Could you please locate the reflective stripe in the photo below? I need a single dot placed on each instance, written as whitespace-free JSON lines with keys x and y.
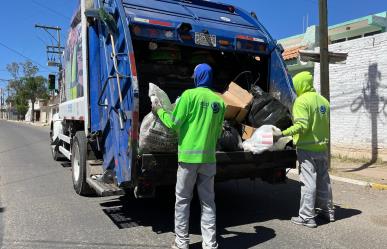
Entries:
{"x":195,"y":152}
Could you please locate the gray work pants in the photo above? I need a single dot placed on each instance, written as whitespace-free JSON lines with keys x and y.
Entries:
{"x":203,"y":175}
{"x":316,"y":191}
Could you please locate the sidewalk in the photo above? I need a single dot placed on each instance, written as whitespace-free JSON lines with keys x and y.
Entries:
{"x":27,"y":122}
{"x":357,"y":172}
{"x":375,"y":173}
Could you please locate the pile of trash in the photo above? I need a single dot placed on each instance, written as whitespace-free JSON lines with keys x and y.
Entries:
{"x":253,"y":117}
{"x":154,"y":136}
{"x":252,"y":120}
{"x":263,"y":139}
{"x":267,"y":110}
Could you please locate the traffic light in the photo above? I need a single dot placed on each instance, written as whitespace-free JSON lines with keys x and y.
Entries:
{"x":51,"y":81}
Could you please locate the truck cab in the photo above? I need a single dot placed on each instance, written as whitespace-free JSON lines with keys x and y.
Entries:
{"x":115,"y":48}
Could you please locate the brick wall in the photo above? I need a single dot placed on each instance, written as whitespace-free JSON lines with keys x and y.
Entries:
{"x":359,"y":98}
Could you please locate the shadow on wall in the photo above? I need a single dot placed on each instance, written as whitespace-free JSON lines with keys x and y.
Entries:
{"x":374,"y":104}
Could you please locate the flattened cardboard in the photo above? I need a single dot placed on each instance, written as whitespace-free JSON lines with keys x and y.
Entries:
{"x":247,"y":131}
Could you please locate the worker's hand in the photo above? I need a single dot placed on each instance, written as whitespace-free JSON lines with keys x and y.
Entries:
{"x":156,"y":105}
{"x":277,"y":137}
{"x":277,"y":134}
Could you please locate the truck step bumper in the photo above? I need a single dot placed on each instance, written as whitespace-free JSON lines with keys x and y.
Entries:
{"x":104,"y":189}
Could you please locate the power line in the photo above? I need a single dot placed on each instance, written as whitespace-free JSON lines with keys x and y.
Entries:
{"x":22,"y":55}
{"x":50,"y":9}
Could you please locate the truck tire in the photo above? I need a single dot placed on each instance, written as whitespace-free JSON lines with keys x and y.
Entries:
{"x":78,"y":164}
{"x":56,"y":155}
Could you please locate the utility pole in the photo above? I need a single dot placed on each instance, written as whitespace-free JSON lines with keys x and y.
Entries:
{"x":324,"y":54}
{"x":324,"y":60}
{"x":54,"y":60}
{"x":1,"y":101}
{"x":57,"y":50}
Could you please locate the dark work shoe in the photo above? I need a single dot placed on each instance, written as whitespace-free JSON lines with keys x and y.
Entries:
{"x":174,"y":246}
{"x":106,"y":177}
{"x":327,"y":216}
{"x":304,"y":222}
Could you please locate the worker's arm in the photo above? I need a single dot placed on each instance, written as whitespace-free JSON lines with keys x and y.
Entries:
{"x":221,"y":122}
{"x":179,"y":114}
{"x":300,"y":120}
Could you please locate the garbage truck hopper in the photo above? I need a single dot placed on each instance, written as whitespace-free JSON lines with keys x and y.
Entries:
{"x":129,"y":43}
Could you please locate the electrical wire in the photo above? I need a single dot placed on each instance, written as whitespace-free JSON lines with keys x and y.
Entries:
{"x":22,"y":55}
{"x":50,"y":9}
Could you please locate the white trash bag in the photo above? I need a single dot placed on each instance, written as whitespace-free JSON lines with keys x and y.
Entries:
{"x":262,"y":140}
{"x":159,"y":96}
{"x":281,"y":143}
{"x":154,"y":136}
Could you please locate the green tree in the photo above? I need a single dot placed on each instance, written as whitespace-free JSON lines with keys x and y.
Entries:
{"x":34,"y":88}
{"x":26,"y":85}
{"x":21,"y":104}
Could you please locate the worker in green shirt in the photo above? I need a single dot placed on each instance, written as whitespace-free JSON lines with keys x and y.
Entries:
{"x":197,"y":119}
{"x":310,"y":133}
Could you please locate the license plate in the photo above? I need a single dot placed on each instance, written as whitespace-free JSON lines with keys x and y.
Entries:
{"x":205,"y":39}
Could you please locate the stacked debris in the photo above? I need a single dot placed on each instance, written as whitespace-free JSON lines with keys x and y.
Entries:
{"x":255,"y":116}
{"x":267,"y":110}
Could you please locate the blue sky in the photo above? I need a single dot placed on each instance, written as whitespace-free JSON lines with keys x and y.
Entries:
{"x":281,"y":17}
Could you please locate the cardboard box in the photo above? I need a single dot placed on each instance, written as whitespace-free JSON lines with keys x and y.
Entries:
{"x":232,"y":108}
{"x":247,"y":131}
{"x":239,"y":95}
{"x":241,"y":115}
{"x":237,"y":101}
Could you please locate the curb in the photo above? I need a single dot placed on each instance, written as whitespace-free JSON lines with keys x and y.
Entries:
{"x":372,"y":185}
{"x":36,"y":124}
{"x":378,"y":186}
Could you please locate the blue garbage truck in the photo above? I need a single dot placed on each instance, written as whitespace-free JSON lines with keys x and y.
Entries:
{"x":116,"y":47}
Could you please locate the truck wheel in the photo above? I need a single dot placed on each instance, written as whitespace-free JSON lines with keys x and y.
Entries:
{"x":78,"y":164}
{"x":56,"y":155}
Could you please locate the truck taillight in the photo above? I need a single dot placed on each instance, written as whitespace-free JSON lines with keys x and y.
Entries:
{"x":186,"y":37}
{"x":224,"y":43}
{"x":262,"y":48}
{"x":154,"y":33}
{"x":137,"y":30}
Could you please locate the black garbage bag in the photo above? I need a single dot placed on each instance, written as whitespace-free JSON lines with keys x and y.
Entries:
{"x":266,"y":109}
{"x":230,"y":139}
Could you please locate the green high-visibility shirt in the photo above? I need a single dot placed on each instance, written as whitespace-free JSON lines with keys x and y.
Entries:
{"x":198,"y":119}
{"x":310,"y":128}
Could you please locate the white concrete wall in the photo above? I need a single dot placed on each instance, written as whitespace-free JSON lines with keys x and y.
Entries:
{"x":359,"y":98}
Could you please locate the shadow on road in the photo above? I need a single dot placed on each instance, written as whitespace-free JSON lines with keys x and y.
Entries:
{"x":2,"y":210}
{"x":340,"y":214}
{"x":238,"y":203}
{"x":232,"y":240}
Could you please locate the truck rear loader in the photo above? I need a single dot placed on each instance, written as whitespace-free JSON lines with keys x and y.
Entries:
{"x":116,"y":47}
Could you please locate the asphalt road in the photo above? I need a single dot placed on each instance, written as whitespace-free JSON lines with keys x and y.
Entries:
{"x":39,"y":209}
